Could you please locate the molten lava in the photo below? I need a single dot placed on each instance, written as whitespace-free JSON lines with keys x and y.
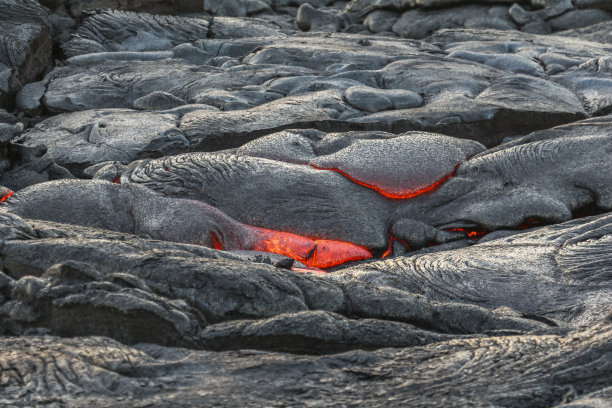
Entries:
{"x":390,"y":245}
{"x":388,"y":194}
{"x":215,"y":241}
{"x":312,"y":253}
{"x":471,"y":233}
{"x":7,"y":195}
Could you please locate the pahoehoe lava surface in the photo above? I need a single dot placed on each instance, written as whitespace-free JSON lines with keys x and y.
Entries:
{"x":305,"y":203}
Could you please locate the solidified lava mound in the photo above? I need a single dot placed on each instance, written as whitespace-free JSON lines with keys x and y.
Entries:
{"x":305,"y":203}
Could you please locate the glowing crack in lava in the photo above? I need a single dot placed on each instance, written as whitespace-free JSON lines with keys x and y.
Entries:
{"x":393,"y":238}
{"x":471,"y":233}
{"x":396,"y":196}
{"x":7,"y":195}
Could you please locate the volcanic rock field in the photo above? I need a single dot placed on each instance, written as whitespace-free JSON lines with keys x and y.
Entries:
{"x":306,"y":203}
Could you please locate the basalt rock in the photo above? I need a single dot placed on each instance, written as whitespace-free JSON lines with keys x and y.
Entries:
{"x":79,"y":371}
{"x":354,"y":82}
{"x":25,"y":46}
{"x":305,"y":203}
{"x":82,"y":139}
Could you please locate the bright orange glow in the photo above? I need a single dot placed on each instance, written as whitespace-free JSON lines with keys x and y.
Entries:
{"x":312,"y":253}
{"x":470,"y":233}
{"x":116,"y":180}
{"x":386,"y":253}
{"x":7,"y":195}
{"x":390,"y":245}
{"x":388,"y":194}
{"x":216,"y":242}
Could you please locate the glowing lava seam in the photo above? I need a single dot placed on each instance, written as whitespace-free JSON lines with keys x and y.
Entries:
{"x":395,"y":196}
{"x":470,"y":233}
{"x":7,"y":195}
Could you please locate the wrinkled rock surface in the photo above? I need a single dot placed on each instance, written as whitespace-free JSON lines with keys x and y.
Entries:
{"x":305,"y":203}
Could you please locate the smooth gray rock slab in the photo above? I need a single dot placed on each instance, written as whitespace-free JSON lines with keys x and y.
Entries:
{"x":420,"y":24}
{"x":309,"y":18}
{"x":380,"y":21}
{"x":575,"y":19}
{"x":235,"y":8}
{"x":375,"y":100}
{"x":81,"y":139}
{"x":600,"y":32}
{"x":29,"y":97}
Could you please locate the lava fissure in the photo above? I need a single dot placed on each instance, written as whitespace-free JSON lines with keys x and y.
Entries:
{"x":388,"y":194}
{"x":6,"y":196}
{"x":390,"y":241}
{"x":470,"y":233}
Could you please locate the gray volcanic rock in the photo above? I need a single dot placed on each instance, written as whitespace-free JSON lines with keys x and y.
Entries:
{"x":422,"y":18}
{"x":292,"y":146}
{"x":601,"y":32}
{"x":81,"y":139}
{"x":20,"y":165}
{"x":535,"y":272}
{"x":86,"y":366}
{"x":168,"y":273}
{"x":390,"y":85}
{"x":310,"y":19}
{"x":113,"y":30}
{"x":317,"y":196}
{"x":592,"y":82}
{"x":420,"y":24}
{"x":500,"y":188}
{"x":411,"y":163}
{"x":314,"y":331}
{"x":570,"y":172}
{"x":408,"y":205}
{"x":79,"y":7}
{"x":211,"y":131}
{"x":236,"y":8}
{"x":25,"y":45}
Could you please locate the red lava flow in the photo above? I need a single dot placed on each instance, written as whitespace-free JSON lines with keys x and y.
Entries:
{"x":319,"y":253}
{"x":7,"y":195}
{"x":388,"y":194}
{"x":315,"y":254}
{"x":390,"y":245}
{"x":471,"y":233}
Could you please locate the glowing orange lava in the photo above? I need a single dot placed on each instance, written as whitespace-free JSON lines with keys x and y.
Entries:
{"x":320,"y":253}
{"x":471,"y":233}
{"x":388,"y":194}
{"x":7,"y":195}
{"x":216,"y":242}
{"x":529,"y":223}
{"x":390,"y":245}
